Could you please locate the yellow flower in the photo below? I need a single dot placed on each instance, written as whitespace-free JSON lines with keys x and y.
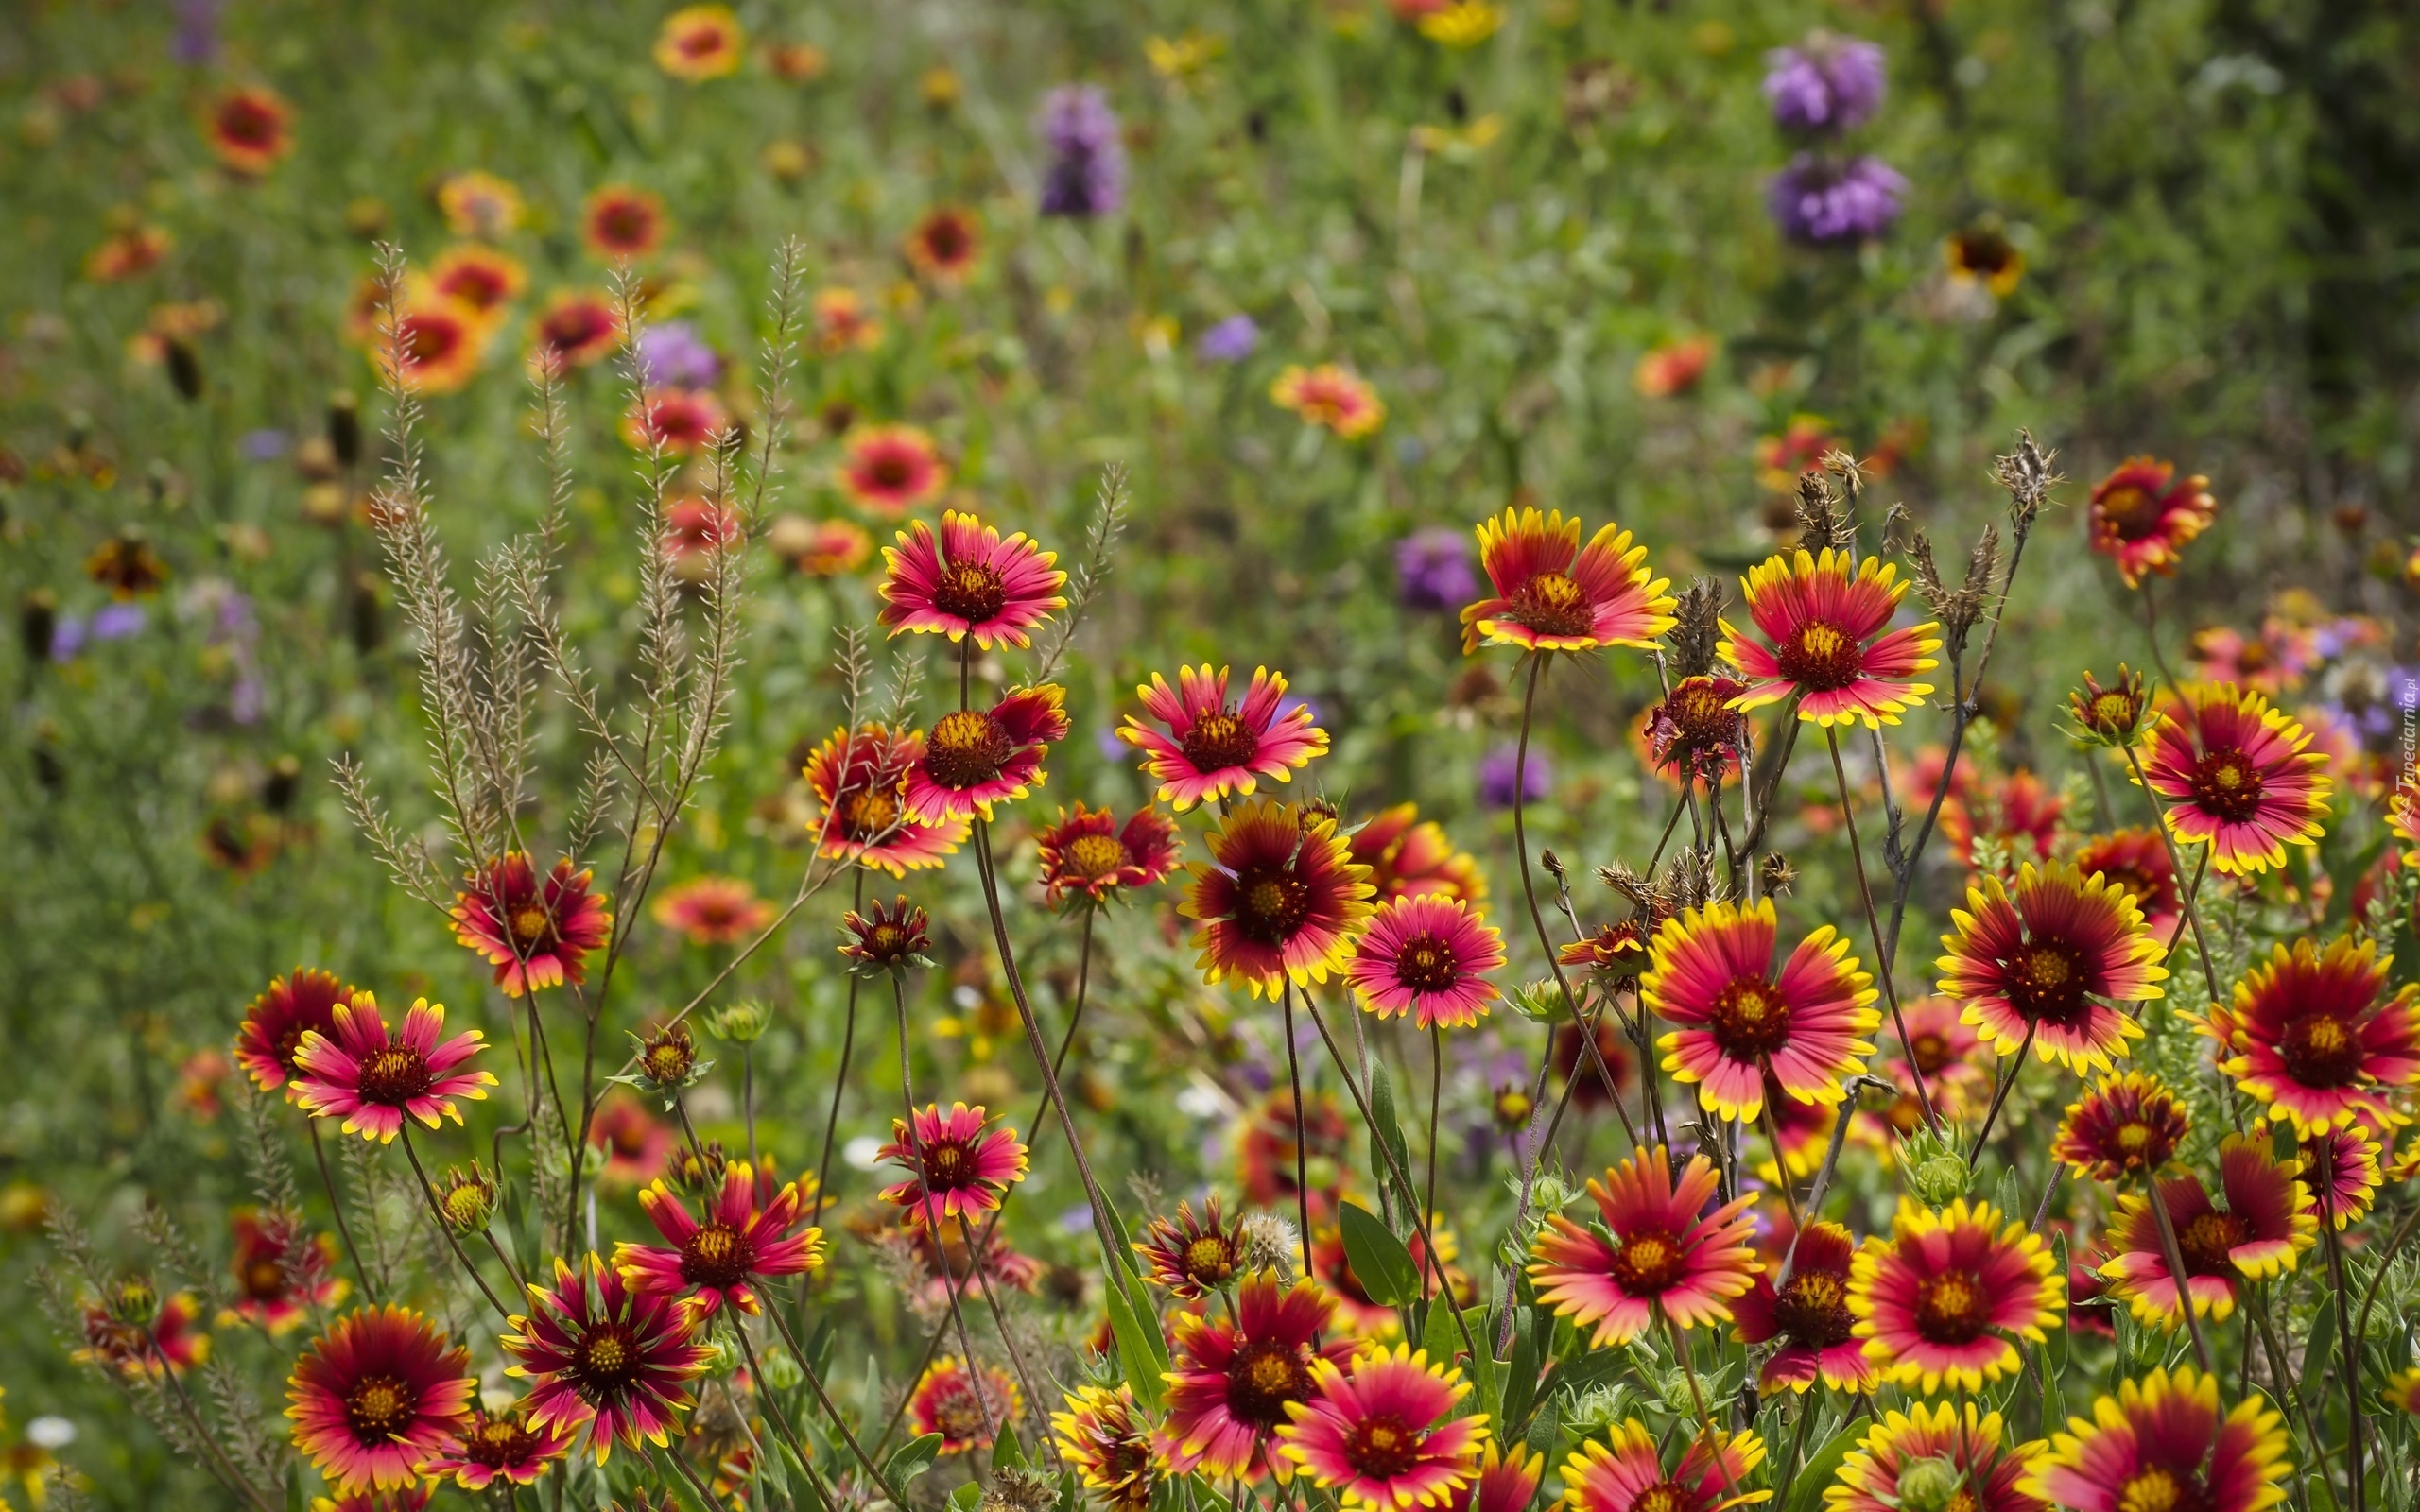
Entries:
{"x":1464,"y":24}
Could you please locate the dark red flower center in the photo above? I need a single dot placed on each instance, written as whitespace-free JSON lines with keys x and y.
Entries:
{"x":1697,"y":719}
{"x":2126,"y":511}
{"x":2160,"y":1488}
{"x":1380,"y":1447}
{"x":497,"y":1442}
{"x":575,"y":326}
{"x":2322,"y":1050}
{"x":1426,"y":964}
{"x":1553,"y":604}
{"x":967,"y":748}
{"x":378,"y":1407}
{"x":970,"y":591}
{"x":1820,"y":656}
{"x":1664,"y":1496}
{"x":393,"y":1074}
{"x":1218,"y":741}
{"x":947,"y":1164}
{"x":2136,"y":883}
{"x":1982,"y":253}
{"x":605,"y":1365}
{"x":1093,"y":856}
{"x":717,"y":1255}
{"x":288,"y":1041}
{"x":1929,"y":1052}
{"x":947,"y":239}
{"x":624,"y":225}
{"x":1814,"y":1309}
{"x":1264,"y":1377}
{"x":1750,"y":1019}
{"x":248,"y":124}
{"x":1951,"y":1308}
{"x":2207,"y":1244}
{"x":263,"y":1279}
{"x":958,"y":1412}
{"x":1648,"y":1264}
{"x":428,"y":338}
{"x":700,"y":41}
{"x":1271,"y":903}
{"x":867,"y":812}
{"x":2047,"y":982}
{"x":2227,"y":785}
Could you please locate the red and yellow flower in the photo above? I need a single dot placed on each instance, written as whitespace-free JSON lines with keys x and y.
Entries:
{"x":2142,"y":514}
{"x":375,"y":1395}
{"x":2346,"y":1171}
{"x":2166,"y":1441}
{"x":678,"y":421}
{"x":356,"y":1073}
{"x":250,"y":128}
{"x":479,"y":278}
{"x":1823,"y":621}
{"x":958,"y":1164}
{"x":1193,"y":1255}
{"x":944,"y":244}
{"x":755,"y":1229}
{"x":1712,"y":972}
{"x":1991,"y":1474}
{"x":1211,"y":747}
{"x":700,"y":42}
{"x":1377,"y":1430}
{"x":1553,"y":594}
{"x":2044,"y":961}
{"x":275,"y":1022}
{"x":2137,"y":860}
{"x":1410,"y":857}
{"x":1108,"y":1444}
{"x":965,"y":1404}
{"x":1503,"y":1485}
{"x":889,"y":470}
{"x":2315,"y":1036}
{"x":1427,"y":957}
{"x":1625,"y":1472}
{"x":1657,"y":1248}
{"x":433,"y":346}
{"x":977,"y":758}
{"x":2402,"y":1393}
{"x":1087,"y":854}
{"x":1941,"y":1045}
{"x":1941,"y":1301}
{"x":534,"y":934}
{"x":1331,"y":397}
{"x":1279,"y":900}
{"x":487,"y":1447}
{"x":2237,"y":775}
{"x":479,"y":204}
{"x":603,"y":1358}
{"x":1266,"y":1156}
{"x":844,"y":322}
{"x":127,"y":252}
{"x":1232,"y":1381}
{"x":969,"y":582}
{"x":2127,"y":1126}
{"x":136,"y":1333}
{"x":576,"y":328}
{"x":860,"y":783}
{"x":2263,"y":1223}
{"x":1809,"y":1317}
{"x":713,"y":910}
{"x":1674,"y":368}
{"x":283,"y":1273}
{"x":1698,"y":733}
{"x":622,"y":222}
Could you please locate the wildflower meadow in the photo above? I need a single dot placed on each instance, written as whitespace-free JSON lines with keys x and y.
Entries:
{"x":1279,"y":756}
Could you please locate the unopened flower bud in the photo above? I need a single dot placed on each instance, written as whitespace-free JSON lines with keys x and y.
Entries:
{"x":886,"y":938}
{"x":1940,"y":1181}
{"x":467,"y":1198}
{"x":133,"y":1299}
{"x":1928,"y":1485}
{"x":2112,"y":716}
{"x":739,"y":1024}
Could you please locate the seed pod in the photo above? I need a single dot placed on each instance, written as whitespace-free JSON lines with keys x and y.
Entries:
{"x":344,"y":426}
{"x":184,"y":368}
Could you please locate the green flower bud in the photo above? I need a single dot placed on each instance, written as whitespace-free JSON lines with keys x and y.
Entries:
{"x":1927,"y":1485}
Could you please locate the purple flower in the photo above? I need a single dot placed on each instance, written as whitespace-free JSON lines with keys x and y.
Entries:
{"x":264,"y":445}
{"x":1496,"y":771}
{"x":1825,"y":203}
{"x":1433,"y":570}
{"x":196,"y":38}
{"x":1086,"y":175}
{"x":1825,"y":84}
{"x":672,"y":355}
{"x":115,"y":622}
{"x":1113,"y":751}
{"x":1231,"y":340}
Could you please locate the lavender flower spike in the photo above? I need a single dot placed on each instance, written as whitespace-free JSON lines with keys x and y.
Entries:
{"x":1824,"y":202}
{"x":1086,"y":175}
{"x":1826,"y":84}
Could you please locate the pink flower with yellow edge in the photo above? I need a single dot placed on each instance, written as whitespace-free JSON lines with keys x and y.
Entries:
{"x":536,"y":935}
{"x":2041,"y":962}
{"x":678,"y":422}
{"x":603,"y":1358}
{"x":1329,"y":396}
{"x":1943,"y":1299}
{"x":1806,"y":1131}
{"x":276,"y":1022}
{"x":432,"y":346}
{"x":1408,"y":856}
{"x":754,"y":1228}
{"x":479,"y":204}
{"x":2126,"y":1126}
{"x":944,"y":244}
{"x":283,"y":1273}
{"x":1941,"y":1045}
{"x":136,"y":1333}
{"x":969,"y":582}
{"x":356,"y":1073}
{"x":1823,"y":620}
{"x":960,"y":1166}
{"x":250,"y":130}
{"x":488,"y":1447}
{"x":1553,"y":594}
{"x":2166,"y":1441}
{"x":860,"y":779}
{"x":965,"y":1404}
{"x":578,"y":328}
{"x":1657,"y":1248}
{"x":1993,"y":1474}
{"x":890,"y":469}
{"x":2018,"y":811}
{"x":1088,"y":856}
{"x":1278,"y":901}
{"x":479,"y":276}
{"x":2142,"y":515}
{"x":713,"y":910}
{"x":2264,"y":1222}
{"x":2347,"y":1173}
{"x":1625,"y":1472}
{"x":1212,"y":747}
{"x":1503,"y":1485}
{"x":376,"y":1395}
{"x":1108,"y":1443}
{"x":2308,"y":1036}
{"x":2137,"y":859}
{"x":1712,"y":974}
{"x":1377,"y":1432}
{"x":977,"y":758}
{"x":1232,"y":1379}
{"x":1429,"y":957}
{"x":1810,"y":1316}
{"x":2235,"y":774}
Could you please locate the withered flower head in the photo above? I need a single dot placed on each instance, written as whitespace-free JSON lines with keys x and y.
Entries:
{"x":2028,"y":477}
{"x":888,"y":939}
{"x":467,"y":1196}
{"x":1846,"y":468}
{"x":2113,"y":716}
{"x":1697,"y":630}
{"x":1777,"y":876}
{"x":1017,"y":1488}
{"x":1697,"y":731}
{"x":1822,"y":522}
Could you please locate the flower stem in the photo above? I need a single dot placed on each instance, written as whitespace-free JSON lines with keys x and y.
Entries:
{"x":1697,"y":1396}
{"x":925,"y":1206}
{"x":1874,"y":927}
{"x":345,"y":1230}
{"x":2000,"y":1093}
{"x":1302,"y":1144}
{"x":806,"y":1369}
{"x":2175,"y":1259}
{"x":2351,"y":1367}
{"x":781,"y":1414}
{"x":1436,"y":1096}
{"x":453,"y":1241}
{"x":839,"y":1080}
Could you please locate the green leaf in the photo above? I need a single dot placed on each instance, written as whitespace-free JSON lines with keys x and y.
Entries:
{"x":966,"y":1497}
{"x":911,"y":1459}
{"x":1545,"y":1428}
{"x":1806,"y":1492}
{"x":1384,"y":1127}
{"x":1121,"y":1261}
{"x":1135,"y":1351}
{"x":1006,"y":1450}
{"x":1379,"y":1261}
{"x":1521,"y":1373}
{"x":1147,"y":1312}
{"x":2319,"y":1347}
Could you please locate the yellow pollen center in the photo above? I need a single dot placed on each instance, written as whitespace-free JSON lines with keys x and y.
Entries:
{"x":1822,"y":640}
{"x":2151,"y":1490}
{"x":608,"y":1353}
{"x":1661,"y":1496}
{"x":2133,"y":1137}
{"x":1271,"y":1374}
{"x":1094,"y":856}
{"x":529,"y":924}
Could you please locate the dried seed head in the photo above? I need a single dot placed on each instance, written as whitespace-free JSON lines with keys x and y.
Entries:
{"x":2028,"y":477}
{"x":1777,"y":876}
{"x":1621,"y":879}
{"x":1822,"y":521}
{"x":1269,"y":1244}
{"x":1847,"y":468}
{"x":1697,"y":628}
{"x":1018,"y":1488}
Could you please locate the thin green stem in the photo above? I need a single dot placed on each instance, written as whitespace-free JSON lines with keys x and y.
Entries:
{"x":336,"y":1204}
{"x":1874,"y":927}
{"x":453,"y":1241}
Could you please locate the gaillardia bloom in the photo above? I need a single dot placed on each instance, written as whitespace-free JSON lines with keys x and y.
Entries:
{"x":356,"y":1073}
{"x":1656,"y":1247}
{"x":2030,"y":964}
{"x":1553,"y":594}
{"x":1429,"y":957}
{"x":713,"y":910}
{"x":576,"y":328}
{"x":1698,"y":733}
{"x":2402,"y":1393}
{"x":886,"y":936}
{"x":2345,"y":1174}
{"x":1193,"y":1255}
{"x":889,"y":470}
{"x":977,"y":758}
{"x":698,"y":42}
{"x":433,"y":346}
{"x":534,"y":934}
{"x":2137,"y":859}
{"x":1087,"y":855}
{"x":755,"y":1229}
{"x":2142,"y":515}
{"x":1900,"y":1461}
{"x":2110,"y":716}
{"x":679,"y":422}
{"x":2265,"y":1223}
{"x":1503,"y":1485}
{"x":276,"y":1022}
{"x":1109,"y":1445}
{"x":1411,"y":857}
{"x":1941,"y":1300}
{"x":479,"y":204}
{"x":2127,"y":1126}
{"x":486,"y":1447}
{"x":1712,"y":974}
{"x":2235,"y":775}
{"x":600,"y":1356}
{"x":480,"y":277}
{"x":860,"y":780}
{"x":1232,"y":1380}
{"x":621,"y":223}
{"x":1824,"y":618}
{"x":1984,"y":256}
{"x":1329,"y":396}
{"x":136,"y":1331}
{"x":958,"y":1165}
{"x":965,"y":1406}
{"x":1941,"y":1046}
{"x":2309,"y":1036}
{"x":376,"y":1395}
{"x":1278,"y":901}
{"x":251,"y":129}
{"x":2165,"y":1442}
{"x":944,"y":244}
{"x":969,"y":582}
{"x":1377,"y":1432}
{"x":1810,"y":1317}
{"x":1624,"y":1473}
{"x":283,"y":1272}
{"x":1213,"y":747}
